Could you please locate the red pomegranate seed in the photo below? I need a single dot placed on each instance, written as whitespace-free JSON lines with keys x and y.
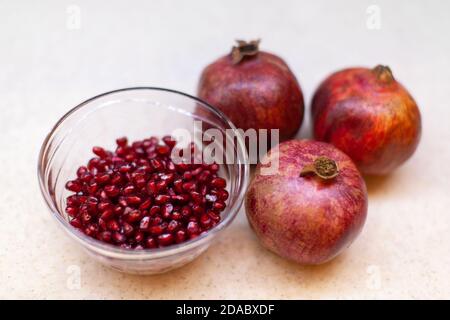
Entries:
{"x":169,"y":141}
{"x":72,"y":211}
{"x":74,"y":186}
{"x":156,"y":230}
{"x":150,"y":243}
{"x":214,"y":167}
{"x":107,"y":214}
{"x":82,"y":171}
{"x":205,"y":220}
{"x":196,"y":197}
{"x":112,"y":190}
{"x":189,"y":186}
{"x":139,"y":236}
{"x":99,"y":151}
{"x":218,"y":206}
{"x":76,"y":223}
{"x":180,"y":236}
{"x":154,"y":210}
{"x":113,"y":225}
{"x":129,"y":189}
{"x":219,"y":182}
{"x":133,"y":216}
{"x":106,"y":236}
{"x":193,"y":228}
{"x":162,"y":198}
{"x":176,"y":215}
{"x":133,"y":200}
{"x":127,"y":228}
{"x":146,"y":204}
{"x":163,"y":150}
{"x":145,"y":223}
{"x":118,"y":237}
{"x":122,"y":142}
{"x":165,"y":239}
{"x":173,"y":226}
{"x":186,"y":211}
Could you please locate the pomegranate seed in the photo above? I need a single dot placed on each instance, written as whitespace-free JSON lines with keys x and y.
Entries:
{"x":189,"y":186}
{"x":118,"y":237}
{"x":222,"y":195}
{"x":163,"y":150}
{"x":218,"y":206}
{"x":193,"y":228}
{"x":214,"y":216}
{"x":122,"y":142}
{"x":129,"y":189}
{"x":156,"y":230}
{"x":106,"y":236}
{"x":162,"y":198}
{"x":214,"y":167}
{"x":145,"y":223}
{"x":150,"y":243}
{"x":186,"y":211}
{"x":180,"y":236}
{"x":165,"y":239}
{"x":169,"y":141}
{"x":76,"y":223}
{"x":107,"y":214}
{"x":154,"y":210}
{"x":205,"y":220}
{"x":173,"y":226}
{"x":218,"y":182}
{"x":112,"y":190}
{"x":113,"y":225}
{"x":196,"y":197}
{"x":82,"y":171}
{"x":146,"y":204}
{"x":74,"y":186}
{"x":133,"y":200}
{"x":176,"y":215}
{"x":127,"y":229}
{"x":134,"y":216}
{"x":72,"y":211}
{"x":86,"y":217}
{"x":99,"y":151}
{"x":167,"y":210}
{"x":139,"y":236}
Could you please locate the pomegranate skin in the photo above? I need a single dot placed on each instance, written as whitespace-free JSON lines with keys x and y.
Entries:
{"x":370,"y":116}
{"x":260,"y":92}
{"x":306,"y":219}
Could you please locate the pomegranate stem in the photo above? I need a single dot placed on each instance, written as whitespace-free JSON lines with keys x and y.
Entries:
{"x":244,"y":49}
{"x":322,"y":167}
{"x":383,"y":73}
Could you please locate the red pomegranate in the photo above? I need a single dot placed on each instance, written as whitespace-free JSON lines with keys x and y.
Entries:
{"x":254,"y":89}
{"x":370,"y":116}
{"x":312,"y":207}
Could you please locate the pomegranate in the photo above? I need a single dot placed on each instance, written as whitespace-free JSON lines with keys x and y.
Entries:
{"x":136,"y":197}
{"x":313,"y":207}
{"x":254,"y":89}
{"x":370,"y":116}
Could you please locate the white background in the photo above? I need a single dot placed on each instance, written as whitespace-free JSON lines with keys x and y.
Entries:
{"x":48,"y":65}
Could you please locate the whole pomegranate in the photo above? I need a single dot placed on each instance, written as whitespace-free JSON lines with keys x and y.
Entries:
{"x":370,"y":116}
{"x":254,"y":89}
{"x":312,"y":207}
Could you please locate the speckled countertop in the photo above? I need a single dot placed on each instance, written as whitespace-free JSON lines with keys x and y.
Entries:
{"x":52,"y":59}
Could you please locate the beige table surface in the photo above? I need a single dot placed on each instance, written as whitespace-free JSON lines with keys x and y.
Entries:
{"x":49,"y":63}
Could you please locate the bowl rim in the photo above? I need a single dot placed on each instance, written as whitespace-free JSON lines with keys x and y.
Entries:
{"x":117,"y":252}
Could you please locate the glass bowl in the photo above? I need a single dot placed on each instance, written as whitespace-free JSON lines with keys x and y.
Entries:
{"x":137,"y":113}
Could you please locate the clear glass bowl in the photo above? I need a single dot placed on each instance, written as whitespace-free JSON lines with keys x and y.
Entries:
{"x":137,"y":113}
